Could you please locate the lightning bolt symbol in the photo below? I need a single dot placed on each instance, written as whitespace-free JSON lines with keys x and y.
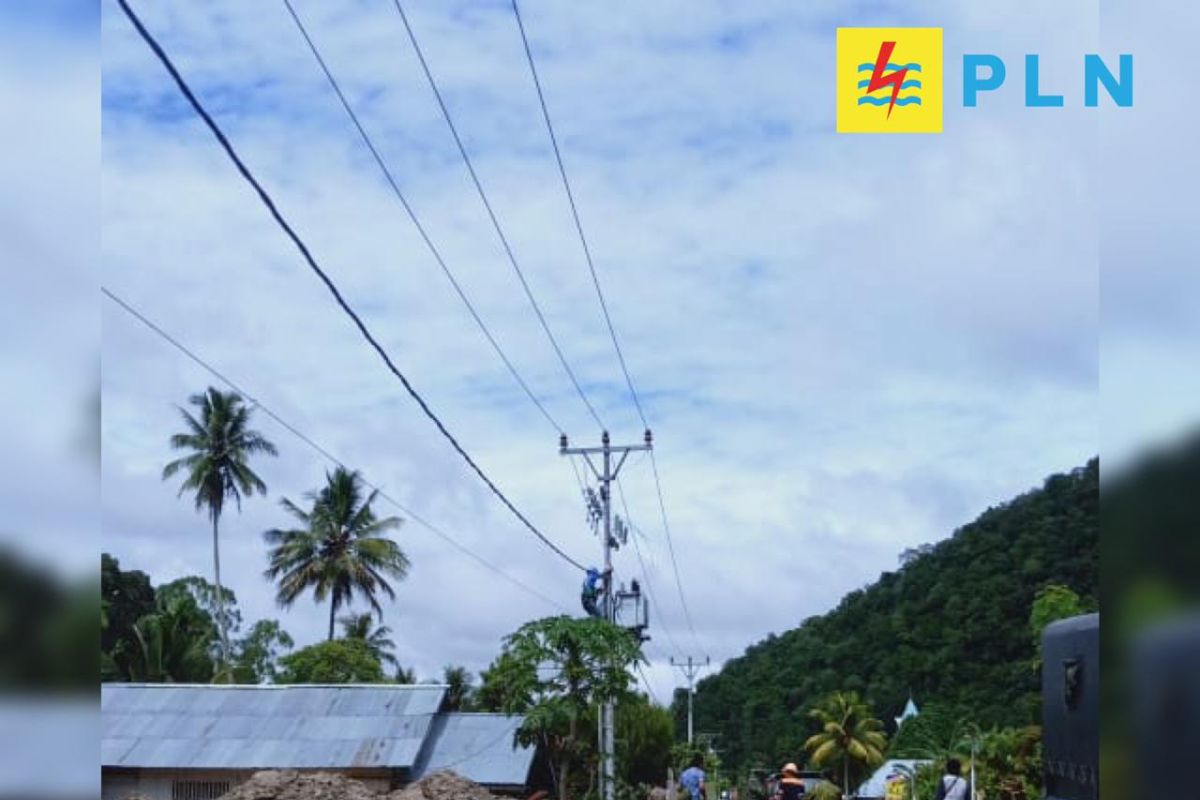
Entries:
{"x":879,"y":79}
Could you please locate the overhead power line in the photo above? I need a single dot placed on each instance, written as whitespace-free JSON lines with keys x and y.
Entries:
{"x":512,"y":259}
{"x":662,"y":507}
{"x":637,"y":548}
{"x":196,"y":359}
{"x":646,"y":682}
{"x":153,"y":44}
{"x":492,"y":216}
{"x":587,"y":252}
{"x":416,"y":221}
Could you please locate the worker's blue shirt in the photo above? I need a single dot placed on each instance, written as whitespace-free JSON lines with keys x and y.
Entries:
{"x":691,"y":779}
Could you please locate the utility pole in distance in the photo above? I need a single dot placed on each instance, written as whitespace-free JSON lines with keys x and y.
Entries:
{"x":690,"y":668}
{"x":606,"y":473}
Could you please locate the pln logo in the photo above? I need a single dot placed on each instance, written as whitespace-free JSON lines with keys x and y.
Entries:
{"x":889,"y":80}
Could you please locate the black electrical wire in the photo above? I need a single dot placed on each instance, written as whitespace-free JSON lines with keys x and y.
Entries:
{"x":562,"y":171}
{"x":153,"y":44}
{"x":637,"y":548}
{"x":649,"y":688}
{"x":587,"y":252}
{"x":412,"y":215}
{"x":512,"y":259}
{"x":662,"y":507}
{"x":210,"y":369}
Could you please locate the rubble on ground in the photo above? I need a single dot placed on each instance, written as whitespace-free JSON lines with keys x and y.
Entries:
{"x":290,"y":784}
{"x":444,"y":785}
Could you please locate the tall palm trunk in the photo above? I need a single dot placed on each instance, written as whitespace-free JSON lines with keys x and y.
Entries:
{"x":332,"y":612}
{"x":221,"y":629}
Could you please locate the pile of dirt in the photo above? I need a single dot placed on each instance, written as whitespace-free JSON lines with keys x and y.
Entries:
{"x":292,"y":785}
{"x":444,"y":785}
{"x":289,"y":784}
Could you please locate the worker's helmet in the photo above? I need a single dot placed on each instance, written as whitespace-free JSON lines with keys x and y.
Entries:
{"x":790,"y":769}
{"x":593,"y":572}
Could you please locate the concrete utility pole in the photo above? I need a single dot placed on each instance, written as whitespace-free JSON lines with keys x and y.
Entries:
{"x":606,"y":474}
{"x":690,"y":668}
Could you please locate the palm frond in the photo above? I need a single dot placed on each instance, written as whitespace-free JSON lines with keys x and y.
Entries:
{"x":341,"y":554}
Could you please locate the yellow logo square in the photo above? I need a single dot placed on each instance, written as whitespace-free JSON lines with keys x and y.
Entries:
{"x":889,"y":80}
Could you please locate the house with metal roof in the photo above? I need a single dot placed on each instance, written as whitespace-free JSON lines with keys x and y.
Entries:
{"x":196,"y":742}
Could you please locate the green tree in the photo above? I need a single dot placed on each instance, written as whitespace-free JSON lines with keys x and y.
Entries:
{"x":936,"y":734}
{"x":826,"y":790}
{"x":171,"y":645}
{"x":221,"y":606}
{"x":405,"y":676}
{"x":378,"y":641}
{"x":1009,"y":763}
{"x":125,"y":597}
{"x":849,"y":737}
{"x":256,"y":654}
{"x":216,"y":468}
{"x":644,"y":735}
{"x":333,"y":661}
{"x":1051,"y":603}
{"x":554,"y":670}
{"x":460,"y":691}
{"x":48,"y":627}
{"x":940,"y":626}
{"x":340,"y":551}
{"x":215,"y":606}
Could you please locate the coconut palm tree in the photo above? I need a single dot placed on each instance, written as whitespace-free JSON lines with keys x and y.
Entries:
{"x":340,"y":551}
{"x":170,"y":645}
{"x":460,"y":694}
{"x":358,"y":626}
{"x":215,"y":469}
{"x":849,"y":734}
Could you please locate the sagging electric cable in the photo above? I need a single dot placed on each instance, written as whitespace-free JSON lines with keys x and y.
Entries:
{"x":320,"y":449}
{"x":245,"y":172}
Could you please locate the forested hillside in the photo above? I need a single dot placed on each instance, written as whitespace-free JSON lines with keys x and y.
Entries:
{"x":951,"y":625}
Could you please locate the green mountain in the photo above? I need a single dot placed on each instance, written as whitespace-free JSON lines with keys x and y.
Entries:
{"x":951,"y":626}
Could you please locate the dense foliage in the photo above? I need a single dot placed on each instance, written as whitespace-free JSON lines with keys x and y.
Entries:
{"x":951,"y":626}
{"x":168,"y":633}
{"x":645,"y":734}
{"x":335,"y":661}
{"x":47,"y":627}
{"x":554,"y":671}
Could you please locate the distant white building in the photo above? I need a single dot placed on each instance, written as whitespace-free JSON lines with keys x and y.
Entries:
{"x":910,"y":711}
{"x":196,"y":742}
{"x":875,"y":787}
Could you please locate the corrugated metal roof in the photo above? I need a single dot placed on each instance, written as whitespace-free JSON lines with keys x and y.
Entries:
{"x":478,"y":747}
{"x":259,"y":727}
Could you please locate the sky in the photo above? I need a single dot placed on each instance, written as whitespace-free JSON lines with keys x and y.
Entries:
{"x":846,"y":346}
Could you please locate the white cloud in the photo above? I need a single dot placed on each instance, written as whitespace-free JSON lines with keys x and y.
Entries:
{"x":847,"y":345}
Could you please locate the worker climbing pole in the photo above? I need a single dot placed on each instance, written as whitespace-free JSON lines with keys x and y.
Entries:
{"x":595,"y":586}
{"x":598,"y":585}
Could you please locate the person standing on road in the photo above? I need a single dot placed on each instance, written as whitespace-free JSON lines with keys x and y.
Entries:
{"x":693,"y":779}
{"x":790,"y":785}
{"x":953,"y":786}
